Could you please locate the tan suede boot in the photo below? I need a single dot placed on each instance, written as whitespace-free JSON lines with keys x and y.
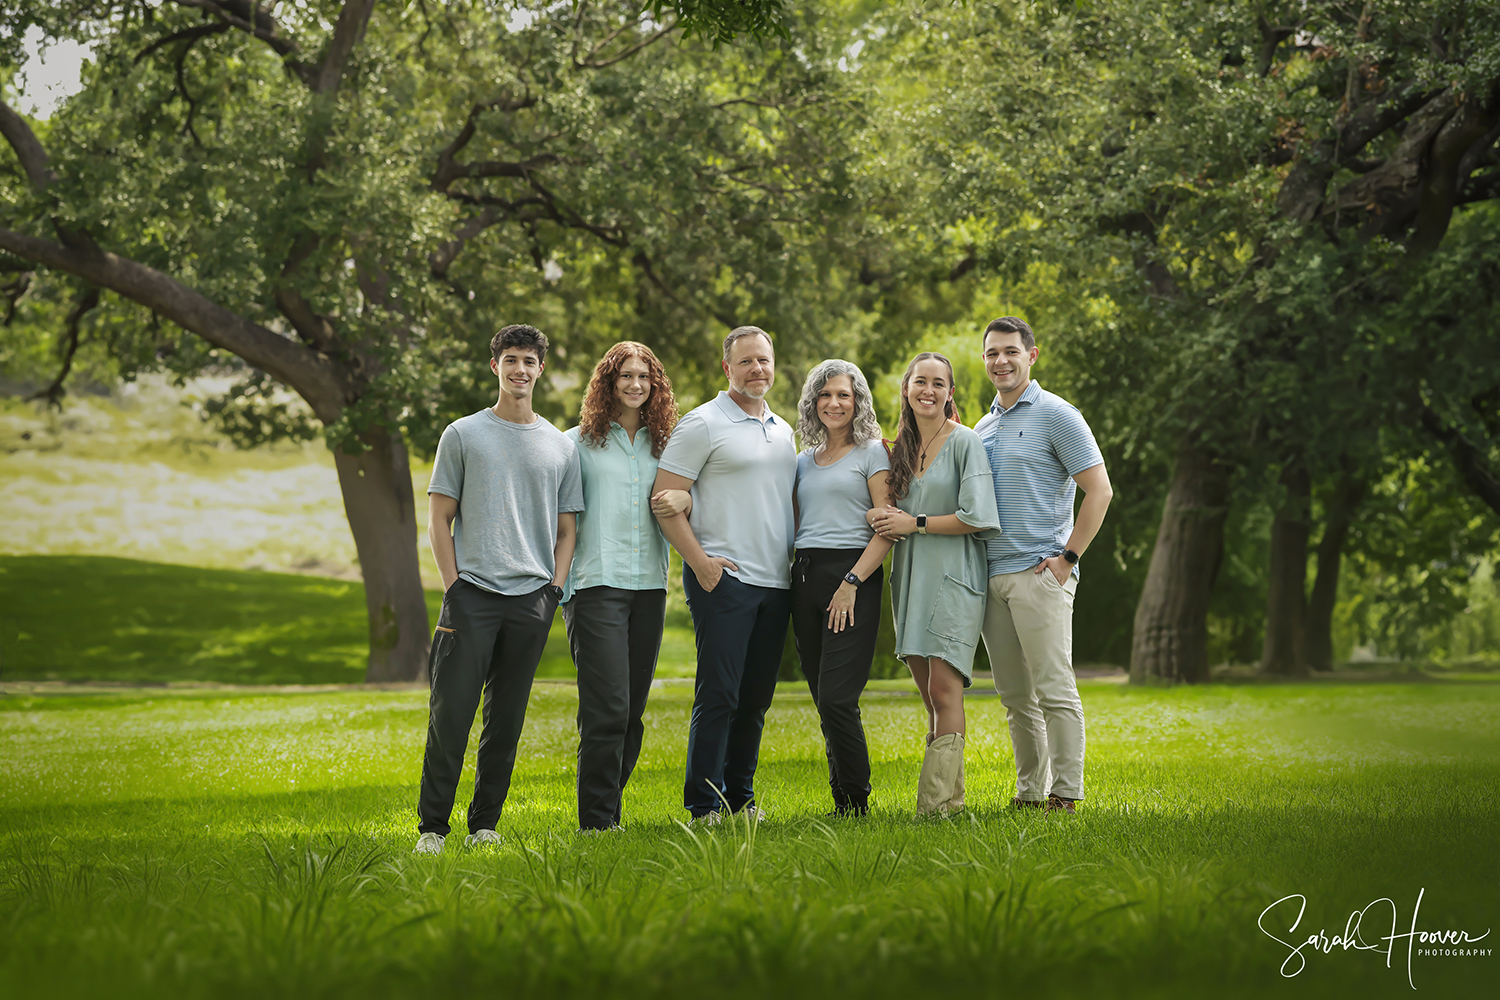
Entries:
{"x":940,"y":770}
{"x":956,"y":803}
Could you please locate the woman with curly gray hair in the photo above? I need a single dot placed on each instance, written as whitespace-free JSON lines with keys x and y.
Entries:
{"x":837,"y":576}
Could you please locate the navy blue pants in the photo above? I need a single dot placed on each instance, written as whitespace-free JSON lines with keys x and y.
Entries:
{"x":740,"y":630}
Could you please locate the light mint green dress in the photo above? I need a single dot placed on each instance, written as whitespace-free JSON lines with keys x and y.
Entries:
{"x":938,"y":582}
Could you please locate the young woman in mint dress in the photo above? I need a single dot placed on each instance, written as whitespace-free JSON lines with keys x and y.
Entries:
{"x":944,"y":509}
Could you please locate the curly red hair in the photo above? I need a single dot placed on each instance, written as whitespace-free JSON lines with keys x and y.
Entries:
{"x":601,"y":404}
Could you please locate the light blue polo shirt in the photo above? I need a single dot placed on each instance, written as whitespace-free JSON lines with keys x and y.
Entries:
{"x":1035,"y":449}
{"x":743,"y":471}
{"x":619,"y":542}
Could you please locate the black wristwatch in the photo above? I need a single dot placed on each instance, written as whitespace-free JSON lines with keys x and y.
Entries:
{"x":556,"y":592}
{"x":849,"y":577}
{"x":1070,"y":555}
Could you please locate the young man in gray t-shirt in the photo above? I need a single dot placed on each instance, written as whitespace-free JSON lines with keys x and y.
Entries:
{"x":502,"y":509}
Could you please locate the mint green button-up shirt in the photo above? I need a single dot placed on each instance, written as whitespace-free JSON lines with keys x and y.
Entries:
{"x":619,"y":542}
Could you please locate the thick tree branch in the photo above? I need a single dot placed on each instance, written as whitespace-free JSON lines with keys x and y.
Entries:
{"x":443,"y":257}
{"x":258,"y":22}
{"x":498,"y":168}
{"x":315,"y":330}
{"x":13,"y":288}
{"x":643,"y":262}
{"x":186,"y":34}
{"x":54,"y":393}
{"x":1303,"y":192}
{"x":1439,"y":188}
{"x":565,"y":216}
{"x":452,"y":171}
{"x":180,"y":69}
{"x":312,"y":375}
{"x":1417,"y":187}
{"x":591,"y":61}
{"x":1473,"y":464}
{"x":347,"y":32}
{"x":27,"y":147}
{"x":447,"y":168}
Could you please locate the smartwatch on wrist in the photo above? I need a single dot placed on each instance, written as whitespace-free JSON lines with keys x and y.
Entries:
{"x":921,"y":524}
{"x":849,"y":577}
{"x":1070,"y":556}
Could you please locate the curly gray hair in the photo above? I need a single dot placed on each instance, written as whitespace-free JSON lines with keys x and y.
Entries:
{"x":863,"y":428}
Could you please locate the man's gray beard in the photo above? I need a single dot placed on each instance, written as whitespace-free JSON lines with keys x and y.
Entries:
{"x":743,"y":391}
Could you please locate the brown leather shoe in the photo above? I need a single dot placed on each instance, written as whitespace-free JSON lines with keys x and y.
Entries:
{"x":1019,"y":803}
{"x":1055,"y":804}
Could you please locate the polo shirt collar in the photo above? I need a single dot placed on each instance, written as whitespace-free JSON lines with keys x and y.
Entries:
{"x":1032,"y":393}
{"x":732,"y":410}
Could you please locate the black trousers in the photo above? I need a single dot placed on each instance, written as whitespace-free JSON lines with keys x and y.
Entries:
{"x":615,"y":636}
{"x":486,"y":643}
{"x":739,"y":630}
{"x":837,"y":664}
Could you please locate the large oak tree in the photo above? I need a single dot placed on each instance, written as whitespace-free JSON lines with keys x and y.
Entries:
{"x":348,"y":197}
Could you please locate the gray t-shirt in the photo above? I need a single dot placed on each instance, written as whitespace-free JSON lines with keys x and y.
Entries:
{"x":511,"y":481}
{"x":832,"y":500}
{"x":743,"y":471}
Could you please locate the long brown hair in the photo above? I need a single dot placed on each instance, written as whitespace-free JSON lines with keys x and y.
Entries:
{"x":601,"y":404}
{"x":904,"y":452}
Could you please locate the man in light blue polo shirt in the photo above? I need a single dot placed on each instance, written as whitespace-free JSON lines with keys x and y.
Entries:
{"x":1040,"y":449}
{"x":739,"y":461}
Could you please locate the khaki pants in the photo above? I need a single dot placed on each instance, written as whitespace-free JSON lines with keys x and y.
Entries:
{"x":1028,"y":630}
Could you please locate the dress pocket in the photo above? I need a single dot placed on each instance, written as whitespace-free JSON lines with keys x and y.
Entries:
{"x":958,"y":612}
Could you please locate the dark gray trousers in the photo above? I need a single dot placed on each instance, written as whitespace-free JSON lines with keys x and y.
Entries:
{"x":486,"y":643}
{"x":615,"y":636}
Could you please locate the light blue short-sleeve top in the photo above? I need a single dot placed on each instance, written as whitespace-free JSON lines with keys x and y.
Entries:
{"x":743,"y":470}
{"x":1035,"y":448}
{"x":832,"y":499}
{"x":619,"y":542}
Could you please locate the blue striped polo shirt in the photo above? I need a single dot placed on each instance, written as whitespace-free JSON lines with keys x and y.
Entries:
{"x":1035,"y":449}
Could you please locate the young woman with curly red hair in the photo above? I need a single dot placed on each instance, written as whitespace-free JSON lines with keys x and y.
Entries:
{"x":616,"y":595}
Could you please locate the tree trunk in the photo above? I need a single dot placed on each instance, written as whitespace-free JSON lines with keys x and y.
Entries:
{"x":1286,"y":589}
{"x":1317,"y":631}
{"x":1170,"y":642}
{"x":376,"y":485}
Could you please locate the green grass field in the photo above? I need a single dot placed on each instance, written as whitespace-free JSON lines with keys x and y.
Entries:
{"x":202,"y":843}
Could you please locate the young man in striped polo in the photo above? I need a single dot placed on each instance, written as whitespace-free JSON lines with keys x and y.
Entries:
{"x":1040,"y":450}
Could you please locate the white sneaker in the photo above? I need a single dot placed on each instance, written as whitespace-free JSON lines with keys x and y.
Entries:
{"x":429,"y":843}
{"x":756,"y":814}
{"x":482,"y":838}
{"x":707,"y":819}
